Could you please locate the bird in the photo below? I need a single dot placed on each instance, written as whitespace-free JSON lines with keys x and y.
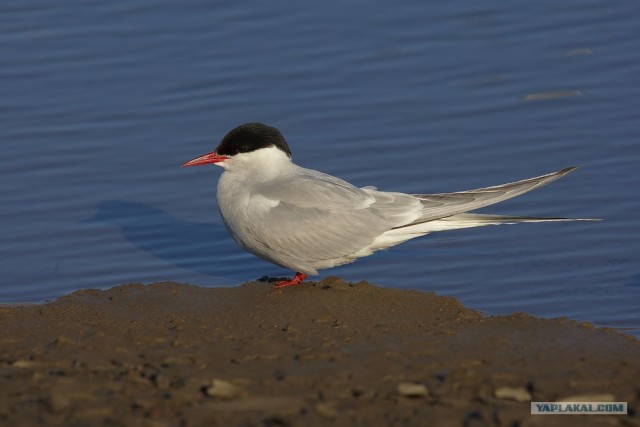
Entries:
{"x":305,"y":220}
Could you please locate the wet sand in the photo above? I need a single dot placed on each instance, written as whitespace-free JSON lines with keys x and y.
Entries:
{"x":326,"y":353}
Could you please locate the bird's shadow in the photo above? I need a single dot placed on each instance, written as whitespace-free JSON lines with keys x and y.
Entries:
{"x":198,"y":247}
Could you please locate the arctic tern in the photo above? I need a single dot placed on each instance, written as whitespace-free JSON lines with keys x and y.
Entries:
{"x":305,"y":220}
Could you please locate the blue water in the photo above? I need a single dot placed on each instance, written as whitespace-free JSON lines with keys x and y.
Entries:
{"x":100,"y":102}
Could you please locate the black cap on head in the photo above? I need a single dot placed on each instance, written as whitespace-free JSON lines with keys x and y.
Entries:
{"x":249,"y":137}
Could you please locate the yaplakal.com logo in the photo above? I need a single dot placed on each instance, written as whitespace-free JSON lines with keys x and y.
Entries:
{"x":567,"y":408}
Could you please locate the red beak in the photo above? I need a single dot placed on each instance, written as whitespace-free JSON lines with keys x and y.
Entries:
{"x":212,"y":157}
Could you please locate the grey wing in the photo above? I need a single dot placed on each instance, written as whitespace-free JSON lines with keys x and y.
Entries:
{"x":306,"y":188}
{"x":436,"y":206}
{"x":321,"y":220}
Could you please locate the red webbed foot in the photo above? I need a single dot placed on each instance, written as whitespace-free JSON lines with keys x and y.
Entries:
{"x":298,"y":278}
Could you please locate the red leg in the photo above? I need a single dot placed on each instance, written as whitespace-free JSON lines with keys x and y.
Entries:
{"x":298,"y":278}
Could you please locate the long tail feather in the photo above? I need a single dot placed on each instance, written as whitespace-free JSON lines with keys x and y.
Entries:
{"x":454,"y":222}
{"x":443,"y":205}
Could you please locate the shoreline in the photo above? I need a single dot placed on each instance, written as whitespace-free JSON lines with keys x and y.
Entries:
{"x":319,"y":353}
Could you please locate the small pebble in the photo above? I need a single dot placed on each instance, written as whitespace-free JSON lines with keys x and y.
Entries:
{"x":327,"y":410}
{"x":412,"y":390}
{"x":62,"y":341}
{"x":162,"y":382}
{"x":605,"y":397}
{"x":25,"y":364}
{"x":519,"y":394}
{"x":221,"y":389}
{"x":58,"y":402}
